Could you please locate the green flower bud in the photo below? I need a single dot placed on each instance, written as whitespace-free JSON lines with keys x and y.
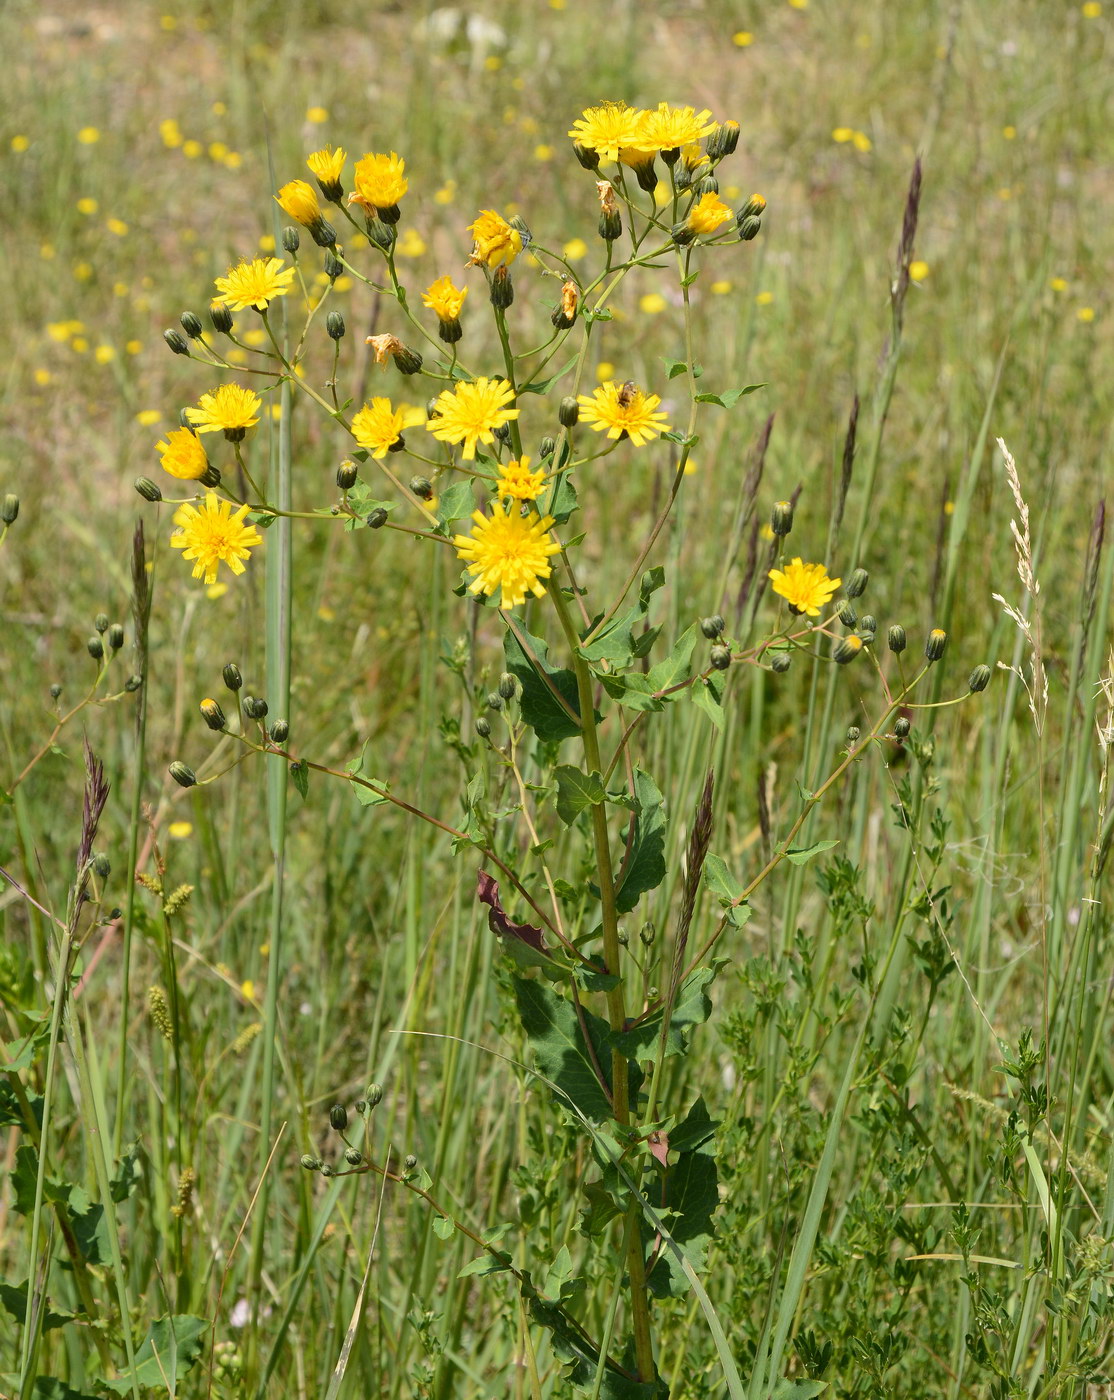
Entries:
{"x":853,"y":734}
{"x":9,"y":509}
{"x":100,"y":622}
{"x":896,"y":638}
{"x":409,"y":1162}
{"x":568,"y":412}
{"x":232,"y":678}
{"x":721,"y":657}
{"x":177,"y":342}
{"x":647,"y":933}
{"x":338,"y":1117}
{"x":323,"y":233}
{"x":220,"y":316}
{"x":353,"y":1156}
{"x":115,"y":636}
{"x":291,"y":239}
{"x":494,"y":700}
{"x":182,"y":775}
{"x":420,"y":485}
{"x":334,"y":324}
{"x":781,"y":518}
{"x":380,"y":231}
{"x":101,"y":866}
{"x":347,"y":473}
{"x":508,"y":686}
{"x":210,"y":476}
{"x":254,"y":707}
{"x":212,"y":714}
{"x":450,"y":330}
{"x":133,"y":683}
{"x":934,"y":646}
{"x":280,"y":731}
{"x":55,"y":691}
{"x":722,"y":141}
{"x":374,"y":1095}
{"x":869,"y":623}
{"x":360,"y":1105}
{"x":682,"y":234}
{"x":191,"y":324}
{"x":502,"y":288}
{"x":311,"y":1164}
{"x":750,"y":227}
{"x":980,"y":679}
{"x":847,"y":614}
{"x":377,"y":518}
{"x":901,"y":728}
{"x":148,"y":489}
{"x":333,"y":266}
{"x":610,"y":225}
{"x":547,"y":447}
{"x":754,"y":206}
{"x":712,"y":626}
{"x":407,"y":361}
{"x":846,"y":649}
{"x":483,"y":729}
{"x":780,"y":662}
{"x":855,"y":586}
{"x":95,"y":648}
{"x":707,"y":184}
{"x":326,"y":1170}
{"x":587,"y":157}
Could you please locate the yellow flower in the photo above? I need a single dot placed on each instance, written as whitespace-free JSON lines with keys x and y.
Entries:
{"x":623,"y":409}
{"x":444,"y":298}
{"x":299,"y":200}
{"x":667,"y":128}
{"x":380,"y":183}
{"x":88,"y":136}
{"x":212,"y":535}
{"x":470,"y":413}
{"x":497,"y":242}
{"x":182,"y":455}
{"x":919,"y":270}
{"x":517,"y":481}
{"x":509,"y":552}
{"x":230,"y":409}
{"x":255,"y":283}
{"x":170,"y":132}
{"x":317,"y":115}
{"x":378,"y":426}
{"x":652,"y":303}
{"x":707,"y":214}
{"x":805,"y":587}
{"x":575,"y":249}
{"x":327,"y":165}
{"x":606,"y":129}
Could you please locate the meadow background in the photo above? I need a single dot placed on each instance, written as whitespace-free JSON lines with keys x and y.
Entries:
{"x":139,"y":148}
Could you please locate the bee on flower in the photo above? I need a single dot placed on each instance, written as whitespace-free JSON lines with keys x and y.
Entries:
{"x":623,"y":410}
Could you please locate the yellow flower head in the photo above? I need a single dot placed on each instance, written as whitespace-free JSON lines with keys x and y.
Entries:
{"x":707,"y":214}
{"x":230,"y":409}
{"x":256,"y":283}
{"x":805,"y":587}
{"x":517,"y":481}
{"x":606,"y":129}
{"x":378,"y":426}
{"x":667,"y":128}
{"x":497,"y":242}
{"x":182,"y":455}
{"x":379,"y":182}
{"x":214,"y":534}
{"x":299,"y":200}
{"x":471,"y":412}
{"x":327,"y":166}
{"x":623,"y":408}
{"x":508,"y":551}
{"x":445,"y":299}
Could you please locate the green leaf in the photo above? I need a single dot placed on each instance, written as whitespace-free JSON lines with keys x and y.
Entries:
{"x":263,"y":518}
{"x":707,"y":695}
{"x":652,"y":580}
{"x":692,"y":1007}
{"x":675,"y":667}
{"x":14,"y":1299}
{"x":362,"y":502}
{"x":729,"y":397}
{"x":644,"y":868}
{"x":443,"y":1227}
{"x":168,"y":1351}
{"x":614,"y":643}
{"x":576,"y":792}
{"x":563,"y":503}
{"x":559,"y":1283}
{"x":454,"y":503}
{"x":633,"y":691}
{"x":726,"y":889}
{"x":797,"y":1390}
{"x":692,"y":1192}
{"x":486,"y":1264}
{"x":129,"y":1173}
{"x":798,"y":855}
{"x":540,"y":709}
{"x":49,"y":1388}
{"x":558,"y":1045}
{"x":679,"y":367}
{"x":543,"y":386}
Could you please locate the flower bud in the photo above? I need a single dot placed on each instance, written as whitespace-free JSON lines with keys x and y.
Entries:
{"x":311,"y":1164}
{"x":846,"y":649}
{"x":210,"y":476}
{"x":682,"y":234}
{"x":421,"y":487}
{"x":280,"y":731}
{"x":712,"y":626}
{"x":901,"y":728}
{"x":95,"y":648}
{"x":753,"y":208}
{"x":353,"y":1156}
{"x":232,"y":677}
{"x":483,"y":728}
{"x":334,"y":324}
{"x":115,"y":636}
{"x":147,"y":489}
{"x":55,"y":691}
{"x":133,"y":683}
{"x":377,"y":518}
{"x":100,"y":622}
{"x":291,"y":239}
{"x":449,"y":329}
{"x":220,"y":316}
{"x":869,"y":623}
{"x":934,"y":646}
{"x":212,"y":714}
{"x":547,"y":446}
{"x":323,"y":233}
{"x":721,"y":657}
{"x":333,"y":266}
{"x":406,"y":360}
{"x":519,"y":224}
{"x":347,"y":474}
{"x":9,"y":509}
{"x":338,"y":1117}
{"x":853,"y":733}
{"x":508,"y":686}
{"x":494,"y":700}
{"x":588,"y":158}
{"x":254,"y":707}
{"x":722,"y":141}
{"x":610,"y":225}
{"x":750,"y":227}
{"x":409,"y":1162}
{"x":896,"y":638}
{"x":502,"y":288}
{"x":781,"y":518}
{"x":647,"y":933}
{"x":847,"y":614}
{"x":177,"y":341}
{"x":707,"y":184}
{"x":101,"y":866}
{"x":780,"y":662}
{"x":980,"y":679}
{"x":326,"y":1170}
{"x":855,"y":586}
{"x":380,"y":233}
{"x":183,"y":775}
{"x":568,"y":413}
{"x":191,"y":324}
{"x":374,"y":1095}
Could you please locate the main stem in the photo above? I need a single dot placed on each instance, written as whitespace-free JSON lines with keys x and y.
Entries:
{"x":616,"y":1004}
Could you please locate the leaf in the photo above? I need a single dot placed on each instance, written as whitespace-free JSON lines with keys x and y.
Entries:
{"x":692,"y":1007}
{"x":652,"y":580}
{"x":559,"y":1284}
{"x":558,"y":1045}
{"x":543,"y":386}
{"x":365,"y":796}
{"x":486,"y":1264}
{"x":729,"y":397}
{"x":129,"y":1173}
{"x":797,"y":1390}
{"x":576,"y":792}
{"x":362,"y":503}
{"x":798,"y":855}
{"x":564,"y":502}
{"x":14,"y":1299}
{"x":454,"y":503}
{"x":443,"y":1227}
{"x":299,"y":776}
{"x":513,"y":936}
{"x":726,"y":889}
{"x":540,"y":708}
{"x":675,"y":667}
{"x":614,"y":643}
{"x":633,"y":691}
{"x":707,"y":695}
{"x":49,"y":1388}
{"x":168,"y":1351}
{"x":678,"y":367}
{"x":691,"y":1195}
{"x":644,"y":868}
